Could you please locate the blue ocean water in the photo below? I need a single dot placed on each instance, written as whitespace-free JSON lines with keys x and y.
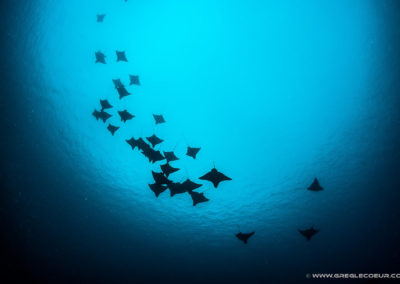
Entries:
{"x":275,"y":93}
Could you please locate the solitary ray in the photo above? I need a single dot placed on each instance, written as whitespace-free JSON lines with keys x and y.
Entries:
{"x":170,"y":156}
{"x":315,"y":186}
{"x":105,"y":104}
{"x":309,"y":233}
{"x":112,"y":128}
{"x":100,"y":57}
{"x":121,"y":56}
{"x":158,"y":118}
{"x":125,"y":115}
{"x":154,"y":140}
{"x":192,"y":152}
{"x":100,"y":18}
{"x":215,"y":177}
{"x":157,"y":188}
{"x":167,"y":169}
{"x":176,"y":188}
{"x":244,"y":236}
{"x":122,"y":92}
{"x":190,"y":185}
{"x":104,"y":116}
{"x":96,"y":114}
{"x":160,"y":178}
{"x":134,"y":80}
{"x":198,"y":197}
{"x":117,"y":83}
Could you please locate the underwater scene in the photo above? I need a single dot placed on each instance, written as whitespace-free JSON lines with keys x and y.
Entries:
{"x":202,"y":141}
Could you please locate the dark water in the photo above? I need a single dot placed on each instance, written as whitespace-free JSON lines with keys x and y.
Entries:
{"x":275,"y":93}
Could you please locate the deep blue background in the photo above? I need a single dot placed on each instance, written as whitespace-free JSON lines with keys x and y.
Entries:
{"x":274,"y":93}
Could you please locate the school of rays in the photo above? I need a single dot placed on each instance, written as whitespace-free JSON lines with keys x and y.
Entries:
{"x":162,"y":178}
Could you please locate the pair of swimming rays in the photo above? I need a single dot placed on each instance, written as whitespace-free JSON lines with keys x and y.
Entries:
{"x":101,"y":57}
{"x":161,"y":179}
{"x":307,"y":233}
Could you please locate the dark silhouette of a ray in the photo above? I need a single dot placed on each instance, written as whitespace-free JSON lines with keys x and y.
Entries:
{"x":105,"y":104}
{"x":152,"y":155}
{"x":315,"y":186}
{"x":170,"y":156}
{"x":117,"y":83}
{"x":156,"y":157}
{"x":192,"y":152}
{"x":157,"y":188}
{"x":96,"y":114}
{"x":100,"y":57}
{"x":158,"y":118}
{"x":142,"y":145}
{"x":122,"y":92}
{"x":176,"y":188}
{"x":134,"y":80}
{"x":125,"y":115}
{"x":104,"y":116}
{"x":244,"y":237}
{"x":112,"y":128}
{"x":190,"y":185}
{"x":132,"y":142}
{"x":215,"y":177}
{"x":121,"y":56}
{"x":198,"y":197}
{"x":100,"y":18}
{"x":154,"y":140}
{"x":160,"y":178}
{"x":309,"y":233}
{"x":101,"y":115}
{"x":167,"y":169}
{"x":139,"y":143}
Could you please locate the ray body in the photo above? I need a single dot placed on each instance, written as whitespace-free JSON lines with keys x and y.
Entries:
{"x":192,"y":152}
{"x":159,"y":118}
{"x":315,"y":186}
{"x":121,"y":56}
{"x":100,"y":57}
{"x":100,"y":18}
{"x":125,"y":115}
{"x":198,"y":198}
{"x":134,"y":80}
{"x":190,"y":185}
{"x":157,"y":188}
{"x":215,"y":177}
{"x":154,"y":140}
{"x":112,"y":128}
{"x":105,"y":104}
{"x":244,"y":237}
{"x":170,"y":156}
{"x":167,"y":169}
{"x":309,"y":233}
